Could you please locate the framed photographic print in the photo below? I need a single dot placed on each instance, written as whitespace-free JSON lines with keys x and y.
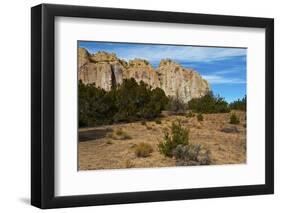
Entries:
{"x":139,"y":106}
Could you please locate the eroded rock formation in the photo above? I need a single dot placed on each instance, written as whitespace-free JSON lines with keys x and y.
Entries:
{"x":107,"y":70}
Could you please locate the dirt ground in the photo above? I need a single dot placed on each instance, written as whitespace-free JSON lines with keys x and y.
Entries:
{"x":99,"y":149}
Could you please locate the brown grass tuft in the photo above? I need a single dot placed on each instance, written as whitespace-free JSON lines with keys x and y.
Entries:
{"x":143,"y":150}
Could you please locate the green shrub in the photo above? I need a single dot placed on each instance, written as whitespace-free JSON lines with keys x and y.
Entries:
{"x":143,"y":150}
{"x":179,"y":136}
{"x":239,"y":104}
{"x":234,"y":119}
{"x":177,"y":145}
{"x":208,"y":104}
{"x":127,"y":102}
{"x":200,"y":117}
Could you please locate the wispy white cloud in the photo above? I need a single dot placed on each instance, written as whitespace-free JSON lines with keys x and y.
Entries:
{"x":234,"y":70}
{"x":189,"y":53}
{"x":217,"y":79}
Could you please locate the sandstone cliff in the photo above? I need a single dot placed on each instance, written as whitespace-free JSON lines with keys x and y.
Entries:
{"x":181,"y":82}
{"x":107,"y":70}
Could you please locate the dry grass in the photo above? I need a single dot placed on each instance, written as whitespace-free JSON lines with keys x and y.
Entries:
{"x":116,"y":148}
{"x":143,"y":150}
{"x":119,"y":134}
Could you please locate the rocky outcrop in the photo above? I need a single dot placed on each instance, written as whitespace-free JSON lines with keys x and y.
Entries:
{"x":83,"y":57}
{"x":98,"y":73}
{"x":102,"y":68}
{"x":141,"y":70}
{"x":181,"y":82}
{"x":107,"y":70}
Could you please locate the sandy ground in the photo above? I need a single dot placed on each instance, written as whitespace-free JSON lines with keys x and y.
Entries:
{"x":97,"y":149}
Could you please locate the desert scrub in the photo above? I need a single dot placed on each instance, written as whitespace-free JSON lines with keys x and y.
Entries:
{"x":191,"y":154}
{"x":187,"y":152}
{"x":143,"y":123}
{"x":143,"y":150}
{"x":234,"y":119}
{"x":190,"y":114}
{"x":177,"y":145}
{"x":119,"y":134}
{"x":158,"y":121}
{"x":179,"y":135}
{"x":200,"y":117}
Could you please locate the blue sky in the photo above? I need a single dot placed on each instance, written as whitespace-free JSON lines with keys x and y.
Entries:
{"x":223,"y":68}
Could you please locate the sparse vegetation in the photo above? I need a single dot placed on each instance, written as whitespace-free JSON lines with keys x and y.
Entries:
{"x":143,"y":123}
{"x":143,"y":150}
{"x":234,"y":119}
{"x":119,"y":134}
{"x":224,"y":148}
{"x":200,"y":117}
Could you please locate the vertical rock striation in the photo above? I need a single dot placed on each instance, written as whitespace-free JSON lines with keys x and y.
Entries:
{"x":181,"y":82}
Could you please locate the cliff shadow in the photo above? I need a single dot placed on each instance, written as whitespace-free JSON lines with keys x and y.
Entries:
{"x":93,"y":134}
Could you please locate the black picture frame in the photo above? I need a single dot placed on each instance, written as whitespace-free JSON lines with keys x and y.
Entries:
{"x":43,"y":117}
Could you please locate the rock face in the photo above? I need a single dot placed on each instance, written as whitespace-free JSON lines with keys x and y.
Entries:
{"x":181,"y":82}
{"x":106,"y":70}
{"x":141,"y":70}
{"x":83,"y":57}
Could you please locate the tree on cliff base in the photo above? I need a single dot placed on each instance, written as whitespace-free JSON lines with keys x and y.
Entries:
{"x":208,"y":104}
{"x":128,"y":102}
